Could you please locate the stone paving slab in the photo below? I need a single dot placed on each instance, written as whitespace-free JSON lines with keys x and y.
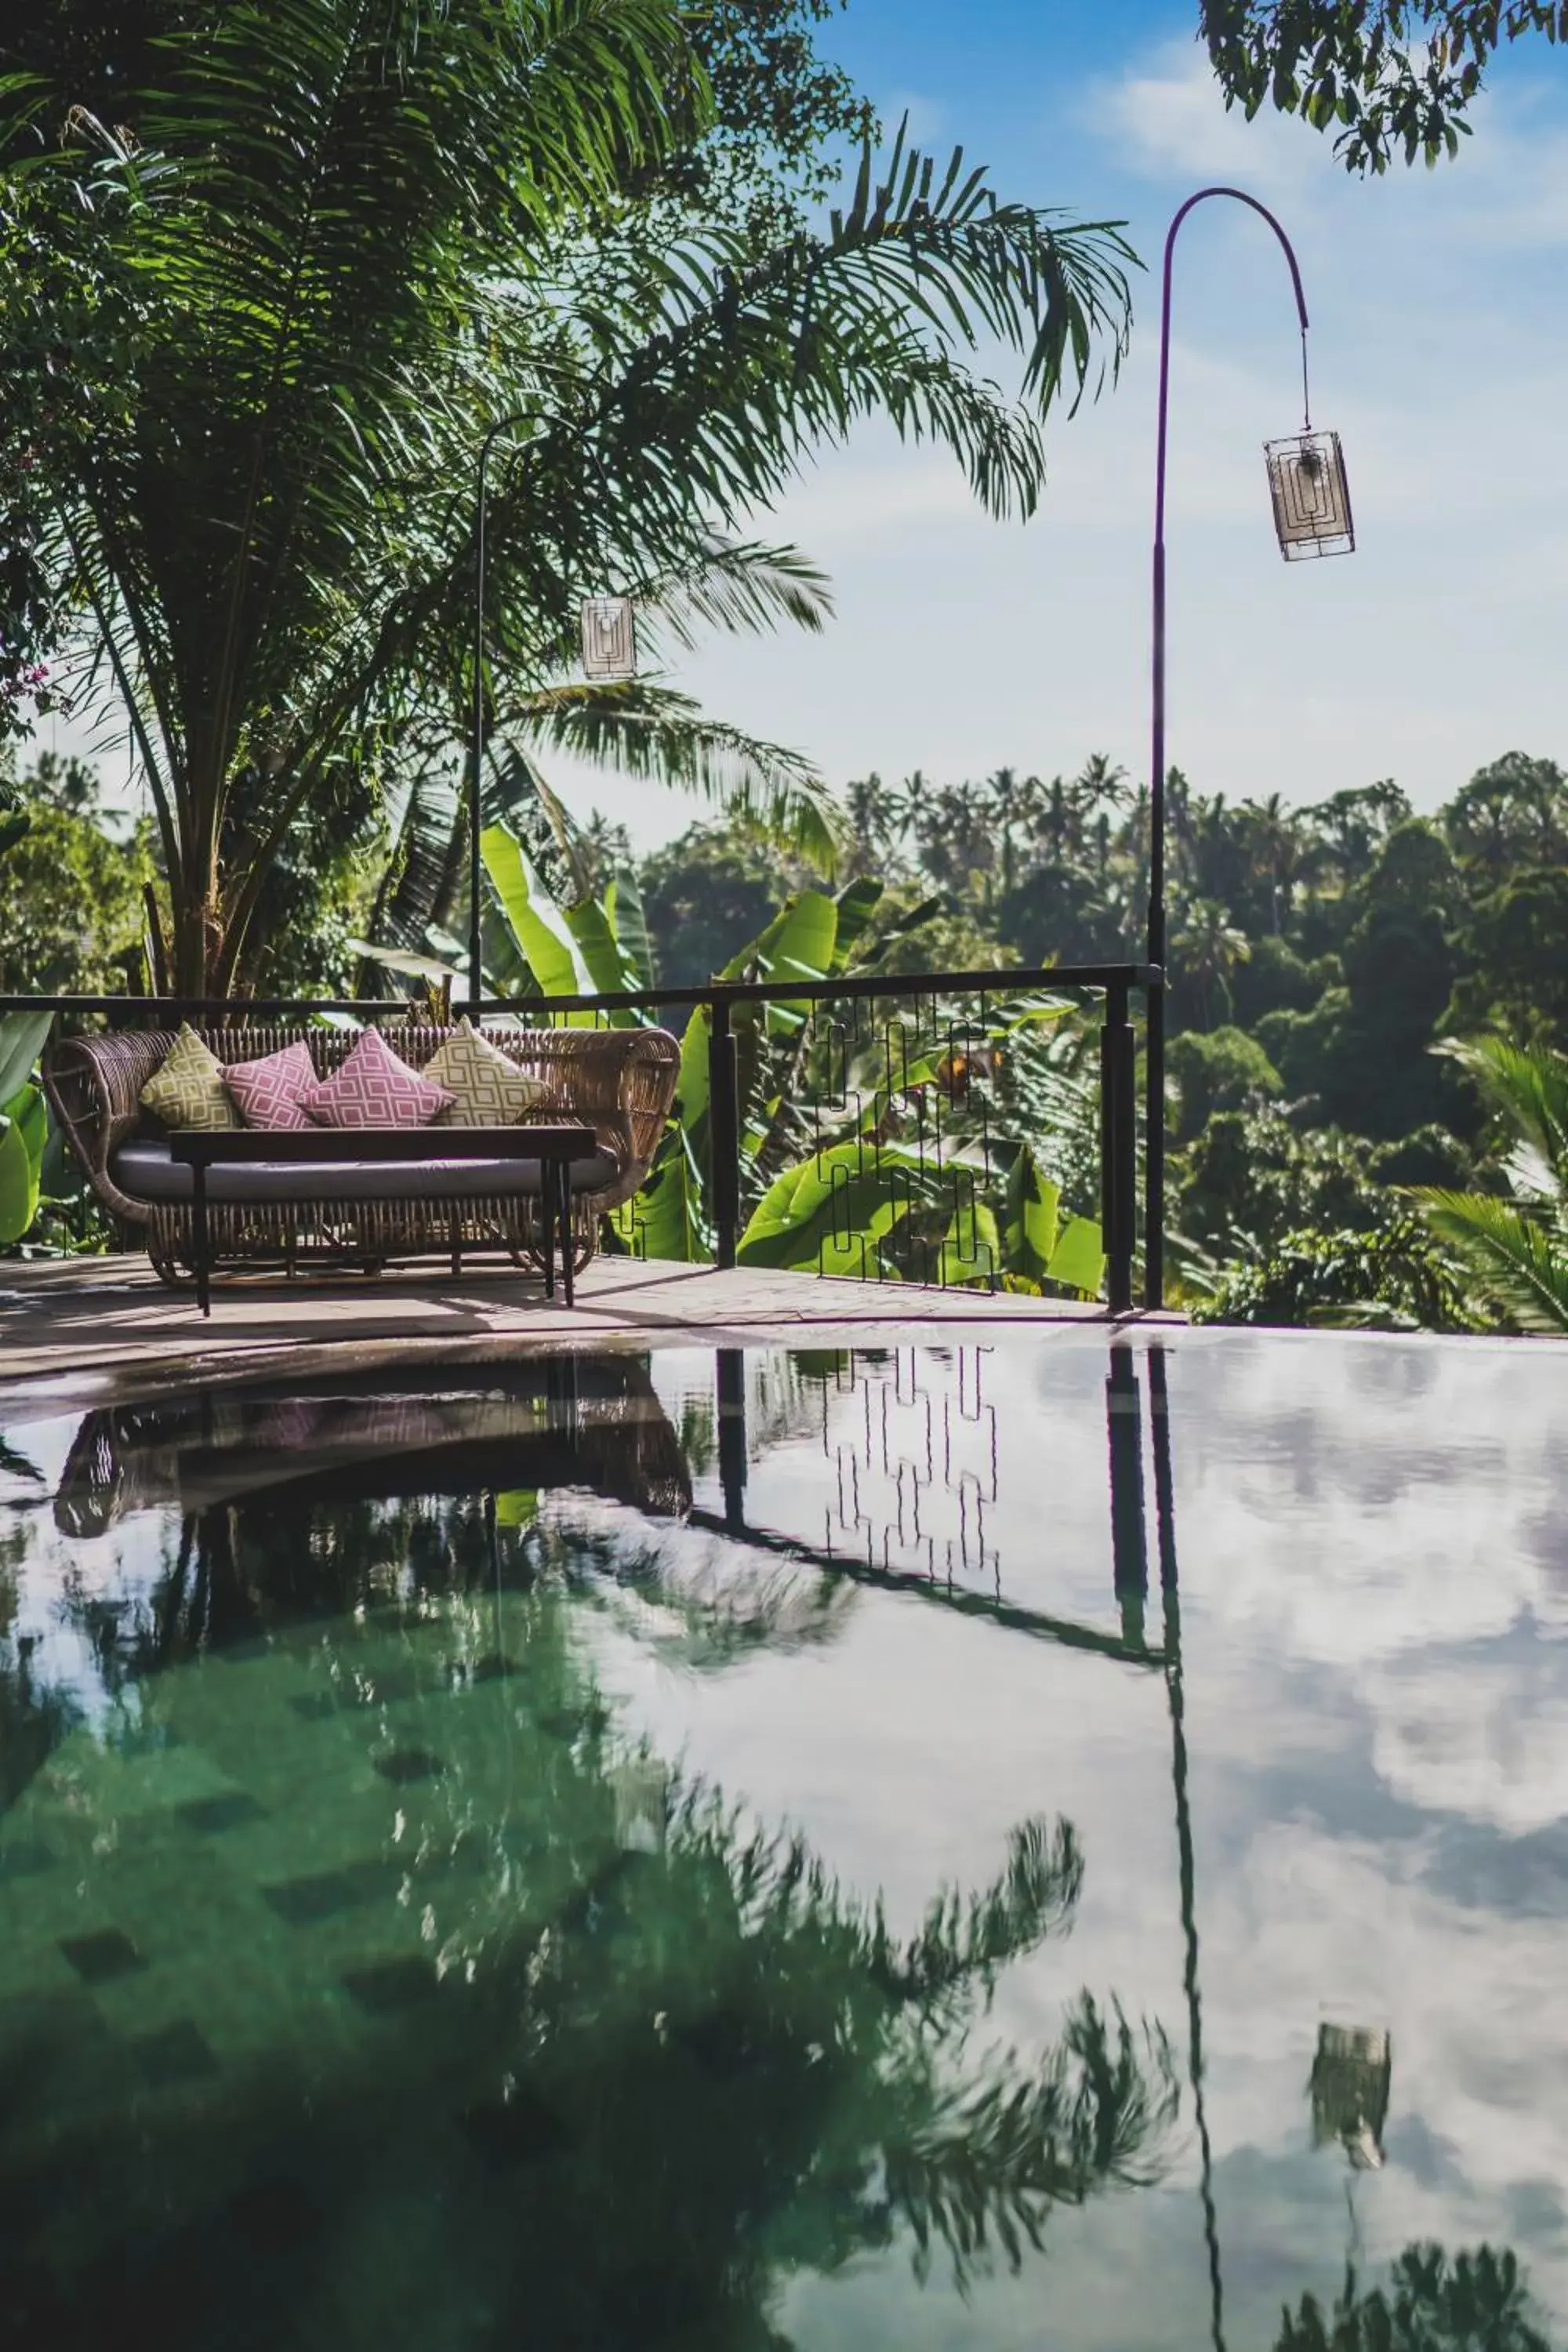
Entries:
{"x":71,"y":1319}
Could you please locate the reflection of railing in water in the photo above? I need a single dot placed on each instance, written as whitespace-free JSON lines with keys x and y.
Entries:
{"x":1130,"y":1570}
{"x":914,"y":1471}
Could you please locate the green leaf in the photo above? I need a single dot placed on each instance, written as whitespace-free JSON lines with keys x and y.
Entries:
{"x":517,"y":1507}
{"x":23,"y":1036}
{"x":593,"y":934}
{"x":23,"y":1131}
{"x":834,"y":1208}
{"x":1032,"y":1225}
{"x":971,"y":1247}
{"x":538,"y":925}
{"x":624,"y":907}
{"x":668,"y":1216}
{"x":857,"y":904}
{"x":1078,"y":1262}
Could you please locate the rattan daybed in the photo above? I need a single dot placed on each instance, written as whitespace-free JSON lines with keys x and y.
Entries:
{"x":620,"y":1082}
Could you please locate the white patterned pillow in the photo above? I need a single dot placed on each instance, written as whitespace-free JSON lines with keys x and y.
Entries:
{"x":487,"y":1087}
{"x":187,"y":1090}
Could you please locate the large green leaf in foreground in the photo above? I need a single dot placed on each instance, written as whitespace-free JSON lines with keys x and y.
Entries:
{"x":23,"y":1131}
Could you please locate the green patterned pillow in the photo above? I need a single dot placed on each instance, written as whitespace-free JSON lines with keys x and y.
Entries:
{"x":188,"y":1090}
{"x":488,"y":1090}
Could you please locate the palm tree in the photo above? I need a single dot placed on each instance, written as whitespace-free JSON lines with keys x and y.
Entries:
{"x":1514,"y":1246}
{"x":1210,"y":946}
{"x":357,"y":233}
{"x":1434,"y":2302}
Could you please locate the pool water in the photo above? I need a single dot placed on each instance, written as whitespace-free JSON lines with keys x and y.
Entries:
{"x":986,"y":1847}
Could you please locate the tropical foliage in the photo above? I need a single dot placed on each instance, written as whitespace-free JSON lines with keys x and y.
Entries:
{"x":869,"y":1142}
{"x":335,"y":244}
{"x":1383,"y":75}
{"x":1514,"y":1246}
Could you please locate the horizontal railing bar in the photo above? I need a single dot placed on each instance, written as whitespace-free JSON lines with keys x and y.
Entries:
{"x":1008,"y":981}
{"x":252,"y":1006}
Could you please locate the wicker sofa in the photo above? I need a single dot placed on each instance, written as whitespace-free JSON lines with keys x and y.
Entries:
{"x":620,"y":1082}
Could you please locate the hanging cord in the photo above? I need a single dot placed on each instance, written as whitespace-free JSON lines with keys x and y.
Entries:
{"x":1306,"y":389}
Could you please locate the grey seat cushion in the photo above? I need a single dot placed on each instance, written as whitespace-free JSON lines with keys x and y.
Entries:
{"x":144,"y":1170}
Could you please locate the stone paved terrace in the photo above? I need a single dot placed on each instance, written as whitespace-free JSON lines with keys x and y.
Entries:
{"x":110,"y":1317}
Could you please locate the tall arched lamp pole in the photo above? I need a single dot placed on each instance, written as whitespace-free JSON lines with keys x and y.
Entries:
{"x":1311,"y":517}
{"x":609,"y":654}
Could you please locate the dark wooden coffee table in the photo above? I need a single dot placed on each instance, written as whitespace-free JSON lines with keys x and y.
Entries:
{"x":554,"y":1147}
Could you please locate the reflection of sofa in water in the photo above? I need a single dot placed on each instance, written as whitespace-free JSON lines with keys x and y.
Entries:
{"x":592,"y":1422}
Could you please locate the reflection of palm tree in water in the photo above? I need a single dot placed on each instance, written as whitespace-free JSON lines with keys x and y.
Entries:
{"x":1434,"y":2302}
{"x":657,"y":2077}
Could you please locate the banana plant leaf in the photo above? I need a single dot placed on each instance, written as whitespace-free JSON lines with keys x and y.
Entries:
{"x":834,"y":1209}
{"x":798,"y":944}
{"x":971,"y":1247}
{"x":669,"y":1218}
{"x":559,"y":966}
{"x":1078,"y":1260}
{"x":1033,"y":1219}
{"x":23,"y":1036}
{"x":23,"y":1131}
{"x":627,"y":919}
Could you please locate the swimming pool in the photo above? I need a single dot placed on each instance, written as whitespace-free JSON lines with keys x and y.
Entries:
{"x":810,"y":1849}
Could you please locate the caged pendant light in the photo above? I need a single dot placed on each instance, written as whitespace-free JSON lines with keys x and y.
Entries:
{"x":1312,"y":497}
{"x":609,"y":640}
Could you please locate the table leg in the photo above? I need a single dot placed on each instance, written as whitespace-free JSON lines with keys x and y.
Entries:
{"x":199,"y":1233}
{"x":547,"y":1216}
{"x":568,"y":1239}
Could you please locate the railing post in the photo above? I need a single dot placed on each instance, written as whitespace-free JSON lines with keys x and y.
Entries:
{"x":1118,"y":1147}
{"x":724,"y":1133}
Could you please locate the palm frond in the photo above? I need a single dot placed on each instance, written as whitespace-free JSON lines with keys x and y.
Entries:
{"x":1516,"y":1259}
{"x":654,"y":731}
{"x":1526,"y":1086}
{"x":740,"y":586}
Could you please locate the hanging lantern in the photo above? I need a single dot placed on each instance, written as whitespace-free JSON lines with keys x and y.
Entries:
{"x":1352,"y":2075}
{"x":1312,"y":497}
{"x":609,"y":639}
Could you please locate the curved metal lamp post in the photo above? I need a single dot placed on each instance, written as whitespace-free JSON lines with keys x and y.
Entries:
{"x":609,"y":653}
{"x":1311,"y":517}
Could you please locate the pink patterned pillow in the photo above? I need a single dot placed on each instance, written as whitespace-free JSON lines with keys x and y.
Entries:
{"x":374,"y":1088}
{"x":271,"y":1092}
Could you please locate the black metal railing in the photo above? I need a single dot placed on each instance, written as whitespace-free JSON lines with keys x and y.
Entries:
{"x":899,"y":1084}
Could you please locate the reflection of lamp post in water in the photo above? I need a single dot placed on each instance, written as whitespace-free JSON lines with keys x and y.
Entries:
{"x":1165,"y":1530}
